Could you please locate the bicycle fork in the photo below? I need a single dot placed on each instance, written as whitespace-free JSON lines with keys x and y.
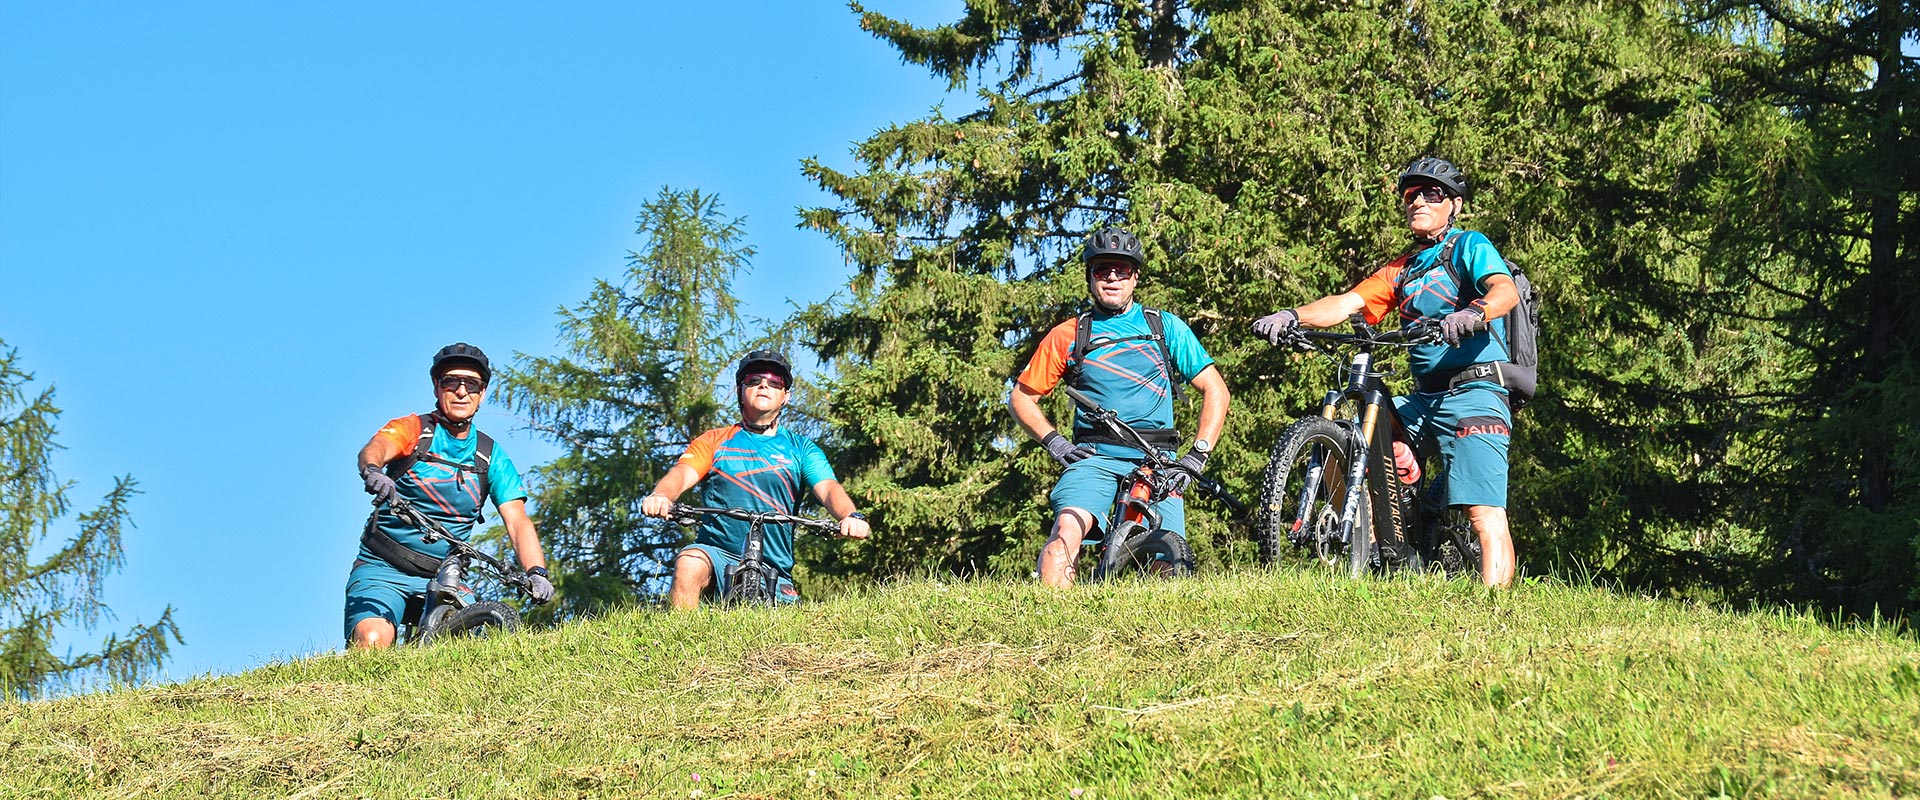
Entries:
{"x":1356,"y":477}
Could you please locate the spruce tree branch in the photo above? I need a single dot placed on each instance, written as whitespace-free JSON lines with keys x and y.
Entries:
{"x":1040,"y":90}
{"x":1775,"y":13}
{"x":1753,"y":275}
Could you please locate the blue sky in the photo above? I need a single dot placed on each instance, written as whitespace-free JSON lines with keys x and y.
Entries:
{"x":233,"y":234}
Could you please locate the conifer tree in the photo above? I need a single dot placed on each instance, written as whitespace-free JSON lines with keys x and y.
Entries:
{"x":643,"y":356}
{"x":1818,"y":215}
{"x":62,"y":590}
{"x":1252,"y":146}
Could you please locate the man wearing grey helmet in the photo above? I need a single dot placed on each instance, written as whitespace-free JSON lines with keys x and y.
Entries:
{"x":755,"y":464}
{"x":448,"y":469}
{"x":1460,"y":409}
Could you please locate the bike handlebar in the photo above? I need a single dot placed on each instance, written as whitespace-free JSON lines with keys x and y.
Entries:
{"x":1423,"y":331}
{"x":432,"y":531}
{"x":1113,"y":424}
{"x":685,"y":513}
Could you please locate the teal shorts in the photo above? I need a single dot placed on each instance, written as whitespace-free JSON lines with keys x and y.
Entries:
{"x":1090,"y":485}
{"x":723,"y":561}
{"x":376,"y":589}
{"x":1467,"y":430}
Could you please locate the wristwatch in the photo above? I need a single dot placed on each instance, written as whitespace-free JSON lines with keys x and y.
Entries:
{"x":540,"y":571}
{"x":856,"y":515}
{"x":1203,"y":447}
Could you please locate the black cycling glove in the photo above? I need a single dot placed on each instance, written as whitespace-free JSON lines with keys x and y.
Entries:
{"x":1064,"y":451}
{"x":379,"y":484}
{"x":1186,"y":471}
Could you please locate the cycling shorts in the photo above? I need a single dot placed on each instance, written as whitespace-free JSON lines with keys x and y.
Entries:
{"x":376,"y":589}
{"x":1090,"y":485}
{"x":723,"y":561}
{"x":1467,"y":430}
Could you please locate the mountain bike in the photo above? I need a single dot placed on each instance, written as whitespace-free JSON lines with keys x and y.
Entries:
{"x":753,"y":581}
{"x":1330,"y":486}
{"x":449,"y":608}
{"x":1134,"y":542}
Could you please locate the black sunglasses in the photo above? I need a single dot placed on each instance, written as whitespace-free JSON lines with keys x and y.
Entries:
{"x":450,"y":383}
{"x":1431,"y":194}
{"x":756,"y":380}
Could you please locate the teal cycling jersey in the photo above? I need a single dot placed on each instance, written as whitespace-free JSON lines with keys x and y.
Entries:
{"x":770,"y":471}
{"x":445,"y":494}
{"x":1419,"y":287}
{"x":1124,"y":370}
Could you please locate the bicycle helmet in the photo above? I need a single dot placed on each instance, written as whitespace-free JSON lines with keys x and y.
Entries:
{"x":1427,"y":169}
{"x":1111,"y":241}
{"x":459,"y":353}
{"x":764,"y":359}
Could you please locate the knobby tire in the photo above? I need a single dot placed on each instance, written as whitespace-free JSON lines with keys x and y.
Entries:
{"x":1154,"y":554}
{"x":1279,"y":522}
{"x":486,"y":618}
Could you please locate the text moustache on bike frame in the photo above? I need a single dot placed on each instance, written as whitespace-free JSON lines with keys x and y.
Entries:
{"x":1454,"y":412}
{"x":754,"y":464}
{"x":445,"y":481}
{"x":1124,"y":367}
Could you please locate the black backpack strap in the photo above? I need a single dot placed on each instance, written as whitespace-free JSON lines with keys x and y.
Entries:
{"x":1449,"y":257}
{"x":1166,"y":351}
{"x":1082,"y":336}
{"x":482,"y":461}
{"x":1452,"y":266}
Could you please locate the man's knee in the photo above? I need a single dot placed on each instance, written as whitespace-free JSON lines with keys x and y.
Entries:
{"x":1070,"y":528}
{"x":693,"y":565}
{"x":374,"y":633}
{"x":1488,"y":518}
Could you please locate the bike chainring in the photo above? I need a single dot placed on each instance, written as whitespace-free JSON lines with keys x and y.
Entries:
{"x":1327,"y":544}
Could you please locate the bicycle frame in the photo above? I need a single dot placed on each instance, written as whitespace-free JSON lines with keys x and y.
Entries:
{"x":1137,"y":491}
{"x":1372,"y":436}
{"x":446,"y":587}
{"x":753,"y":580}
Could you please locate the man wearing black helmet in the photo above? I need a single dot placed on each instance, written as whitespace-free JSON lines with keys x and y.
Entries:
{"x":1130,"y":359}
{"x":446,"y":468}
{"x":755,"y":464}
{"x":1460,"y":409}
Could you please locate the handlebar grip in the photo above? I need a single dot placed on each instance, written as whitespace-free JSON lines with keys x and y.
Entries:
{"x":1081,"y":398}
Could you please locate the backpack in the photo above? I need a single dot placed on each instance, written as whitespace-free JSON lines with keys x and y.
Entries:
{"x":482,"y":456}
{"x":1523,"y":329}
{"x":1083,"y":334}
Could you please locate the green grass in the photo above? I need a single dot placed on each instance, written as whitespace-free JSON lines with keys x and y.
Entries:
{"x":1263,"y":684}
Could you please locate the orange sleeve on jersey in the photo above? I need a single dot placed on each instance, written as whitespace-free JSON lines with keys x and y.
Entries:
{"x":403,"y":432}
{"x":1378,"y":290}
{"x":699,"y":455}
{"x":1050,"y":360}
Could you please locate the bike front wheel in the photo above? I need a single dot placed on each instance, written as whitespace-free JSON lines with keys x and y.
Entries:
{"x":1153,"y":554}
{"x":484,"y":619}
{"x":1303,"y":494}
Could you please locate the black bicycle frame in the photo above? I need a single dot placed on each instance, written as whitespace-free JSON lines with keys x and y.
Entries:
{"x":458,"y":549}
{"x":753,"y":553}
{"x":1373,"y":435}
{"x":444,"y":587}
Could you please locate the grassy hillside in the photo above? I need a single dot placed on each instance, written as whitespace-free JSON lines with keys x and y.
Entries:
{"x":1256,"y":685}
